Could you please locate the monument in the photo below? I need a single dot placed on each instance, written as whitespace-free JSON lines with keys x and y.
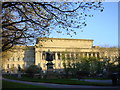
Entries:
{"x":49,"y":58}
{"x":19,"y":71}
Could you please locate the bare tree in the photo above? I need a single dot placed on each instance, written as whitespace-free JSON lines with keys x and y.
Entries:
{"x":22,"y":22}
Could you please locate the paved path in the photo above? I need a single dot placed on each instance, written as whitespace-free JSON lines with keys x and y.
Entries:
{"x":98,"y":81}
{"x":50,"y":85}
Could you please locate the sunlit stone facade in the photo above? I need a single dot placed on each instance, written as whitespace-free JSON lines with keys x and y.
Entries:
{"x":24,"y":56}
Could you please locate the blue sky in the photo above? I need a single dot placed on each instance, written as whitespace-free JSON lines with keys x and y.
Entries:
{"x":102,"y":28}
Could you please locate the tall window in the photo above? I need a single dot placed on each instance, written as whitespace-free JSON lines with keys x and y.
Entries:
{"x":13,"y":58}
{"x":18,"y":59}
{"x":89,"y":54}
{"x":63,"y":56}
{"x":76,"y":56}
{"x":85,"y":54}
{"x":97,"y":54}
{"x":12,"y":65}
{"x":93,"y":54}
{"x":8,"y":59}
{"x":53,"y":55}
{"x":59,"y":64}
{"x":72,"y":56}
{"x":7,"y":65}
{"x":43,"y":55}
{"x":39,"y":64}
{"x":58,"y":55}
{"x":68,"y":56}
{"x":18,"y":65}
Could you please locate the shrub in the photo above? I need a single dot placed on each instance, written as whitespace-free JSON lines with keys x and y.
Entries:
{"x":33,"y":69}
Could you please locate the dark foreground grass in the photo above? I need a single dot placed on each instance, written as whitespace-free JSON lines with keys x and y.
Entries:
{"x":58,"y":81}
{"x":8,"y":84}
{"x":99,"y":78}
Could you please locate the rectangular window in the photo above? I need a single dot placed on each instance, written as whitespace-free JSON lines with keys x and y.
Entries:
{"x":53,"y":55}
{"x":76,"y":56}
{"x":58,"y":55}
{"x":72,"y":56}
{"x":18,"y":59}
{"x":98,"y":55}
{"x":89,"y":54}
{"x":12,"y":65}
{"x":93,"y":54}
{"x":63,"y":56}
{"x":8,"y":59}
{"x":23,"y":58}
{"x":43,"y":55}
{"x":18,"y":65}
{"x":2,"y":66}
{"x":7,"y":65}
{"x":59,"y":64}
{"x":68,"y":56}
{"x":13,"y":58}
{"x":39,"y":64}
{"x":85,"y":54}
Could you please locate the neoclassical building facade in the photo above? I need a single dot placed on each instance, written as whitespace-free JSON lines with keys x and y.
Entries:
{"x":24,"y":56}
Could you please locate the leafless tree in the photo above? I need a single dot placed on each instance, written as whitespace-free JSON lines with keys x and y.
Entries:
{"x":23,"y":22}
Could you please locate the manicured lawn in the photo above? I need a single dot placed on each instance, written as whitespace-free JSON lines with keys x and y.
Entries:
{"x":7,"y":84}
{"x":58,"y":81}
{"x":99,"y":78}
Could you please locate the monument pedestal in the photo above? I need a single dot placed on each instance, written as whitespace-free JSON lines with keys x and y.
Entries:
{"x":50,"y":74}
{"x":19,"y":75}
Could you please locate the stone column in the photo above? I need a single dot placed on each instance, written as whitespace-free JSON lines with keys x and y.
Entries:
{"x":100,"y":55}
{"x":40,"y":55}
{"x":60,"y":61}
{"x":37,"y":57}
{"x":96,"y":55}
{"x":83,"y":54}
{"x":92,"y":54}
{"x":87,"y":54}
{"x":56,"y":56}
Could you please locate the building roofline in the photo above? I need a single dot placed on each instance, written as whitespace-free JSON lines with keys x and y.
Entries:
{"x":66,"y":39}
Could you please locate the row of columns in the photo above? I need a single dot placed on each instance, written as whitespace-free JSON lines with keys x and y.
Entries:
{"x":39,"y":57}
{"x":84,"y":54}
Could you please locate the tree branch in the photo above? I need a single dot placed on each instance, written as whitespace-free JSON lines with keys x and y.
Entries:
{"x":5,"y":25}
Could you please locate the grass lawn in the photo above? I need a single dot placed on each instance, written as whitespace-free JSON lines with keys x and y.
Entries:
{"x":8,"y":84}
{"x":99,"y":78}
{"x":58,"y":81}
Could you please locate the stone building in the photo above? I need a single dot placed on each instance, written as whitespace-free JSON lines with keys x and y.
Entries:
{"x":24,"y":56}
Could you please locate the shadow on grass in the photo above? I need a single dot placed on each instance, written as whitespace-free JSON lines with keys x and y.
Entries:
{"x":58,"y":81}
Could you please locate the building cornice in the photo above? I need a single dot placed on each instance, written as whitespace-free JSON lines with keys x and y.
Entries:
{"x":66,"y":39}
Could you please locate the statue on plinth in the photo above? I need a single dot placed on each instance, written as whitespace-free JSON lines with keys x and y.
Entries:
{"x":49,"y":58}
{"x":19,"y":71}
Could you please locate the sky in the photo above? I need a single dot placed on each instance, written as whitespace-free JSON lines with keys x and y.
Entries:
{"x":102,"y":28}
